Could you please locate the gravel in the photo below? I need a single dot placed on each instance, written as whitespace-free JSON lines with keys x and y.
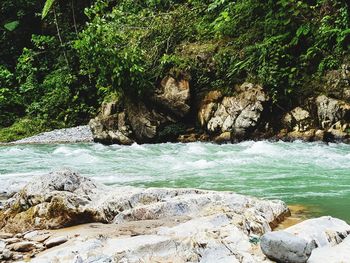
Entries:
{"x":69,"y":135}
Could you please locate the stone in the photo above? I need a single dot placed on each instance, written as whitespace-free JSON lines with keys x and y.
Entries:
{"x":239,"y":114}
{"x":5,"y":235}
{"x":223,"y":137}
{"x":336,"y":254}
{"x":298,"y":120}
{"x":40,"y":238}
{"x":111,"y":125}
{"x":208,"y":106}
{"x":296,"y":243}
{"x":6,"y":254}
{"x":330,"y":111}
{"x":2,"y":245}
{"x":30,"y":234}
{"x":12,"y":240}
{"x":285,"y":247}
{"x":145,"y":121}
{"x":174,"y":95}
{"x":56,"y":241}
{"x":24,"y":246}
{"x":54,"y":200}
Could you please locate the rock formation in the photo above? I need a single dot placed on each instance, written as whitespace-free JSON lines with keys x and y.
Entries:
{"x":173,"y":225}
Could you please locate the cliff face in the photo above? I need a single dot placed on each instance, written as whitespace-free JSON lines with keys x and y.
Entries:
{"x":176,"y":113}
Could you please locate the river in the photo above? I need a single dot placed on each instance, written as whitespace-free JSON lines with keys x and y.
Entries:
{"x":314,"y":175}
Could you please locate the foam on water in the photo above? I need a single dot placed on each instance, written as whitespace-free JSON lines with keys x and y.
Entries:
{"x":306,"y":173}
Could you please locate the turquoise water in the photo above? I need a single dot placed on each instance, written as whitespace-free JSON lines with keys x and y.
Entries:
{"x":312,"y":174}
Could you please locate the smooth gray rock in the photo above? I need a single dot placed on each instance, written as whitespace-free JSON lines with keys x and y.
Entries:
{"x":56,"y":241}
{"x":296,"y":243}
{"x":285,"y":247}
{"x":24,"y":246}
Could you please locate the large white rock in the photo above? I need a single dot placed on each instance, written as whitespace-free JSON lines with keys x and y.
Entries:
{"x":336,"y":254}
{"x":164,"y":225}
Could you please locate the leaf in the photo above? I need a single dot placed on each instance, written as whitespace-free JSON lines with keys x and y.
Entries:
{"x":47,"y":8}
{"x":11,"y":25}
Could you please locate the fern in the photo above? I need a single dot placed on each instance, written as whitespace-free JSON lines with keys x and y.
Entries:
{"x":47,"y":8}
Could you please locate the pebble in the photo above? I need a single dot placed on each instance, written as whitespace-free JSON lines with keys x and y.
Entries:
{"x":55,"y":241}
{"x":5,"y":235}
{"x":40,"y":238}
{"x":12,"y":240}
{"x":24,"y":246}
{"x":2,"y":245}
{"x":6,"y":254}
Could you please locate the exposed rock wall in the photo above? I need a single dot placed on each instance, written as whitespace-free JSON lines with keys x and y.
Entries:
{"x":247,"y":114}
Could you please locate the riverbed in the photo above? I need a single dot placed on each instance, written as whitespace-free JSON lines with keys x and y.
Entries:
{"x":314,"y":175}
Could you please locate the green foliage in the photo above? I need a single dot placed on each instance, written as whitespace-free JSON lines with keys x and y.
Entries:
{"x":60,"y":68}
{"x":47,"y":7}
{"x":25,"y":128}
{"x":10,"y":26}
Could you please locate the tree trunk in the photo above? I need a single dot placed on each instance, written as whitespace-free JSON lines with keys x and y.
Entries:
{"x":59,"y":36}
{"x":74,"y":21}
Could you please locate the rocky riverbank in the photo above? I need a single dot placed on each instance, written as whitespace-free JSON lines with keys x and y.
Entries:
{"x":68,"y":135}
{"x":64,"y":217}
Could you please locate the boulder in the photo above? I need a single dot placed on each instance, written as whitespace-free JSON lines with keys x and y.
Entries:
{"x":111,"y":125}
{"x":24,"y":246}
{"x":298,"y":120}
{"x":295,"y":244}
{"x":173,"y":95}
{"x":331,"y":111}
{"x":282,"y":246}
{"x":239,"y":114}
{"x":336,"y":254}
{"x":145,"y":121}
{"x":56,"y":241}
{"x":54,"y":200}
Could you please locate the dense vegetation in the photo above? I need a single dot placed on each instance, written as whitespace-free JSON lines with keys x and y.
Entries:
{"x":58,"y":63}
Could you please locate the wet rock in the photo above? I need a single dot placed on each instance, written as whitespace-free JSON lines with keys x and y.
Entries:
{"x":174,"y":95}
{"x":223,"y":137}
{"x":24,"y":246}
{"x":55,"y":241}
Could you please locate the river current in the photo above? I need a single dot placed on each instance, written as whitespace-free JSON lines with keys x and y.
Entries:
{"x":315,"y":175}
